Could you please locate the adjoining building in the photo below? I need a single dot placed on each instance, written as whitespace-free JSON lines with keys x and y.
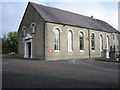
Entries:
{"x":52,"y":34}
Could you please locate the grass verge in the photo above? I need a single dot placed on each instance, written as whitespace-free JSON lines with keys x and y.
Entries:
{"x":107,"y":59}
{"x":4,"y":55}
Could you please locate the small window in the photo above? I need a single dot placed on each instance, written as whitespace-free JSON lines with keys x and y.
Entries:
{"x":117,"y":37}
{"x":57,"y":39}
{"x":81,"y":41}
{"x":92,"y":41}
{"x":113,"y":36}
{"x":23,"y":29}
{"x":33,"y":26}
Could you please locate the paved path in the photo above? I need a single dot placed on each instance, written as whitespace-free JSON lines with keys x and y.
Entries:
{"x":84,"y":73}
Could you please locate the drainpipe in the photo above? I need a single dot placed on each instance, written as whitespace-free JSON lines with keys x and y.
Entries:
{"x":119,"y":45}
{"x":44,"y":33}
{"x":89,"y":43}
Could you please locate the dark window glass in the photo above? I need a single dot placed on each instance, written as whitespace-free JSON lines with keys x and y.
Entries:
{"x":57,"y":39}
{"x":93,"y":41}
{"x":81,"y":41}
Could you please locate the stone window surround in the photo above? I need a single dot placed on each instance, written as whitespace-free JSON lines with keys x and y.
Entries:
{"x":33,"y":24}
{"x":102,"y":41}
{"x":59,"y":37}
{"x":72,"y":32}
{"x":94,"y":41}
{"x":83,"y":39}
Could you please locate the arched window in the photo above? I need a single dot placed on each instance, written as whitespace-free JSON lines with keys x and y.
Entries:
{"x":70,"y":41}
{"x":33,"y":25}
{"x":81,"y":41}
{"x":108,"y":43}
{"x":23,"y":29}
{"x":107,"y":46}
{"x":113,"y":36}
{"x":116,"y":36}
{"x":92,"y":41}
{"x":101,"y":42}
{"x":57,"y":39}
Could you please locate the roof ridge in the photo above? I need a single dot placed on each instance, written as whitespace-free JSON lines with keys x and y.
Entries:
{"x":66,"y":11}
{"x":56,"y":15}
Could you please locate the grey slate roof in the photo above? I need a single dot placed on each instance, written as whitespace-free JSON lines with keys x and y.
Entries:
{"x":55,"y":15}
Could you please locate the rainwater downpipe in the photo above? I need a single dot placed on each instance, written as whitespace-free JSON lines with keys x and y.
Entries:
{"x":89,"y":43}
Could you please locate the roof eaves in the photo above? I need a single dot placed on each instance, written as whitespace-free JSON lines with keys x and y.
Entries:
{"x":80,"y":27}
{"x":100,"y":21}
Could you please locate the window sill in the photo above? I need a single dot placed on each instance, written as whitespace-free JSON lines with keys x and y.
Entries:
{"x":93,"y":50}
{"x":101,"y":50}
{"x":82,"y":51}
{"x":70,"y":51}
{"x":57,"y":51}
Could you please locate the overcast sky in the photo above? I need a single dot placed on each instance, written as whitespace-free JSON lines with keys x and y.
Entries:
{"x":13,"y":10}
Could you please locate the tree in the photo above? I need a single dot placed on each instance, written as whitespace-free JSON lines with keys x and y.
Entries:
{"x":5,"y":45}
{"x":10,"y":44}
{"x":13,"y":41}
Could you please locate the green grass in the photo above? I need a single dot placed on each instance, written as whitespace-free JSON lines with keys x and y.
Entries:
{"x":4,"y":55}
{"x":106,"y":59}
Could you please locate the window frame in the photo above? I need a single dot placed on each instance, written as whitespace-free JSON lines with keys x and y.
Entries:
{"x":113,"y":36}
{"x":33,"y":27}
{"x":101,"y":40}
{"x":23,"y":30}
{"x":92,"y":33}
{"x":82,"y":33}
{"x":117,"y":37}
{"x":59,"y":30}
{"x":108,"y":43}
{"x":72,"y":32}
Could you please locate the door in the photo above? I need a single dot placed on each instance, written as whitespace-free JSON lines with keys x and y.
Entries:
{"x":29,"y":49}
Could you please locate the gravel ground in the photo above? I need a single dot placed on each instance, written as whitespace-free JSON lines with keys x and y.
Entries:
{"x":78,"y":73}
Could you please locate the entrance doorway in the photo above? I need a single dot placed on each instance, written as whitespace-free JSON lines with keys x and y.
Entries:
{"x":28,"y":46}
{"x":29,"y":49}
